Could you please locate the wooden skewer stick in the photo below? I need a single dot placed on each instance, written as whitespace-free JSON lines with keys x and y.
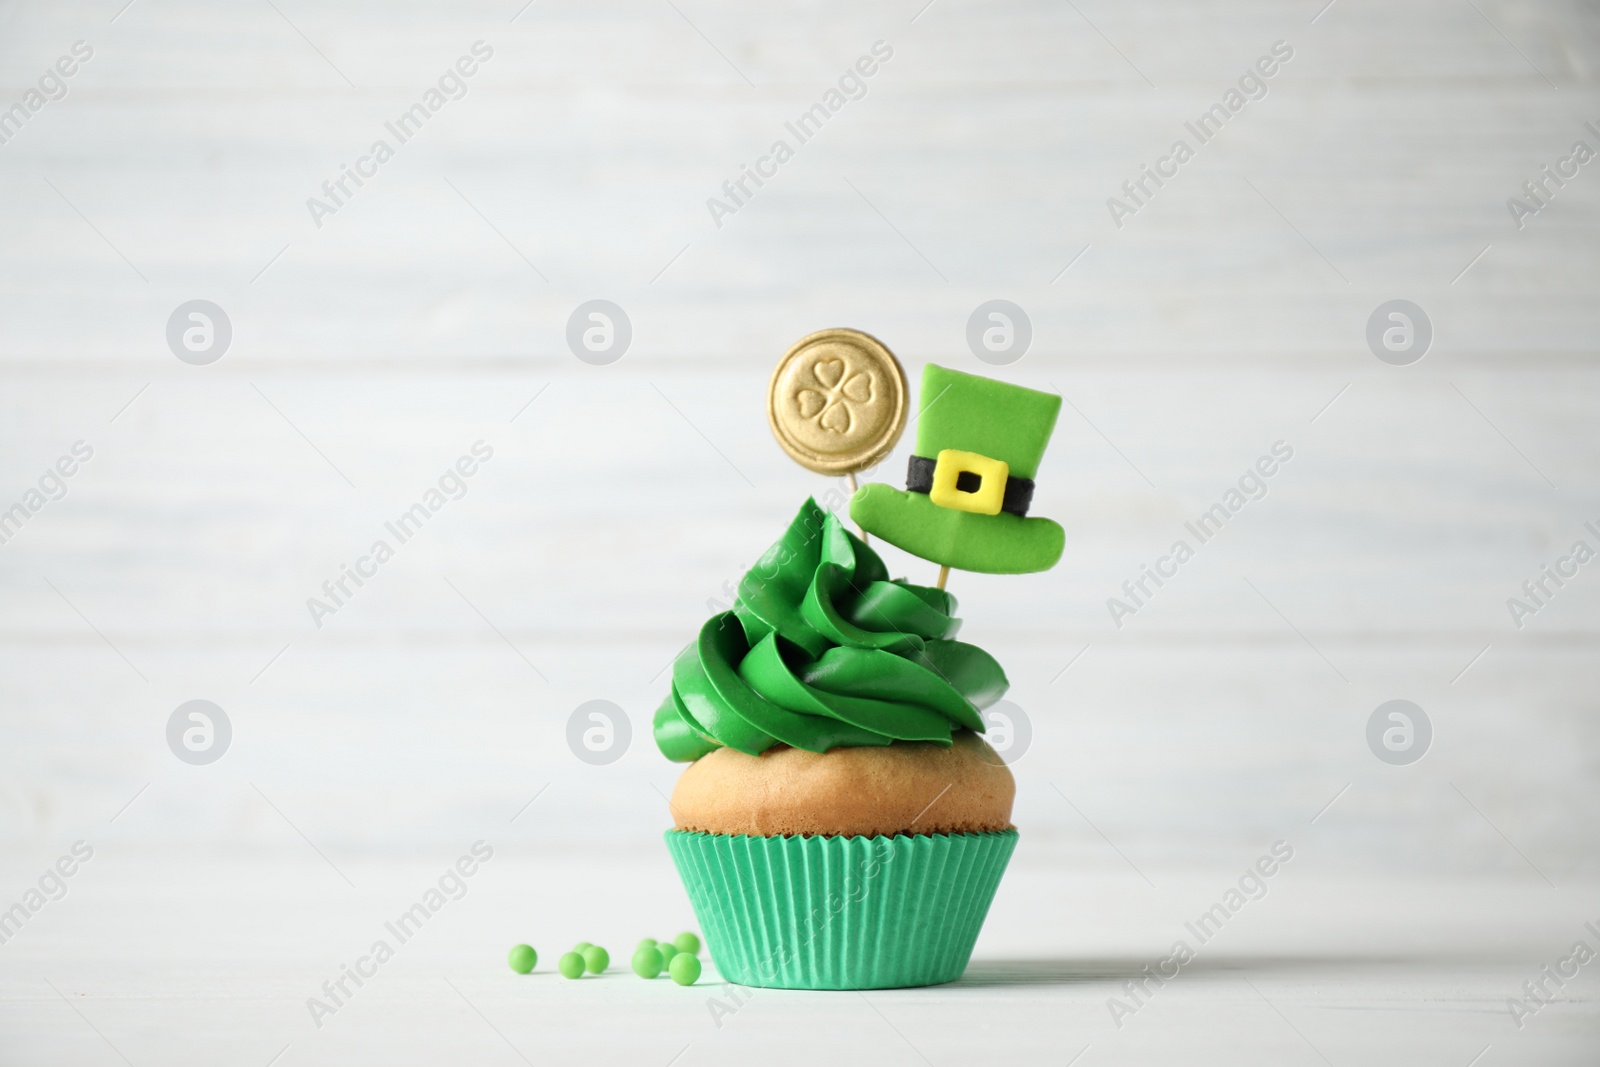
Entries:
{"x":944,"y":575}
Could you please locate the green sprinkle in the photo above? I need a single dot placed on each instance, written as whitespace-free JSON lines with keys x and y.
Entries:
{"x":647,"y":962}
{"x":570,"y":965}
{"x":522,"y":958}
{"x":582,"y":946}
{"x":667,"y":950}
{"x":687,"y":942}
{"x":596,"y":959}
{"x":685,"y":968}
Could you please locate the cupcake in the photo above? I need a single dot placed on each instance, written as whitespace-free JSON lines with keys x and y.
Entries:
{"x":842,"y":823}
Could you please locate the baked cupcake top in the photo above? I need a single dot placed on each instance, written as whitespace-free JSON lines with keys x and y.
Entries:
{"x":822,"y":650}
{"x":906,"y":788}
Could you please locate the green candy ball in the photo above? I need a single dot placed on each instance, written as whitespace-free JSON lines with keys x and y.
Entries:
{"x":687,"y":942}
{"x":685,"y":968}
{"x":647,"y":942}
{"x":571,"y":965}
{"x":582,"y":946}
{"x":522,"y":958}
{"x":596,"y":959}
{"x":667,"y":950}
{"x":647,"y":962}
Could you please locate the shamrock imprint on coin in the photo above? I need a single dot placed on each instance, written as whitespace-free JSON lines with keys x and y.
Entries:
{"x":840,"y":386}
{"x":837,"y":401}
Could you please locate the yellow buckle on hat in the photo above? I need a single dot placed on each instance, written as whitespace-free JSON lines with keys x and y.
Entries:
{"x":947,"y":491}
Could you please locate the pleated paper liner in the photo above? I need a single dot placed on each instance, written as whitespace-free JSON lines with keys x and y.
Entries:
{"x":841,"y":912}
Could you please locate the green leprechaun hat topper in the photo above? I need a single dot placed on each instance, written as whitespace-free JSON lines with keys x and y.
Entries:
{"x":969,"y":484}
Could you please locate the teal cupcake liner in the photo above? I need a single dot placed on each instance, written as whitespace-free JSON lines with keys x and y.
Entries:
{"x":841,"y":912}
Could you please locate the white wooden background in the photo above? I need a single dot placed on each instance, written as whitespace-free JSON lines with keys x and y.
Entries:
{"x":370,"y":353}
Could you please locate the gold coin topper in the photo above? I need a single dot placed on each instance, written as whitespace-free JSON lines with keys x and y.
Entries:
{"x":837,"y":402}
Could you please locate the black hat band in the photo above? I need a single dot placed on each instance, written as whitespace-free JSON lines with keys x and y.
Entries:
{"x":1018,"y":495}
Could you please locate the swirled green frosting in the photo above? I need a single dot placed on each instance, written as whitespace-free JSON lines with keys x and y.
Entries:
{"x":822,"y":650}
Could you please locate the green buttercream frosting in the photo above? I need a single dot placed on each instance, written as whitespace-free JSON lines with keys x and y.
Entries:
{"x":823,"y":650}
